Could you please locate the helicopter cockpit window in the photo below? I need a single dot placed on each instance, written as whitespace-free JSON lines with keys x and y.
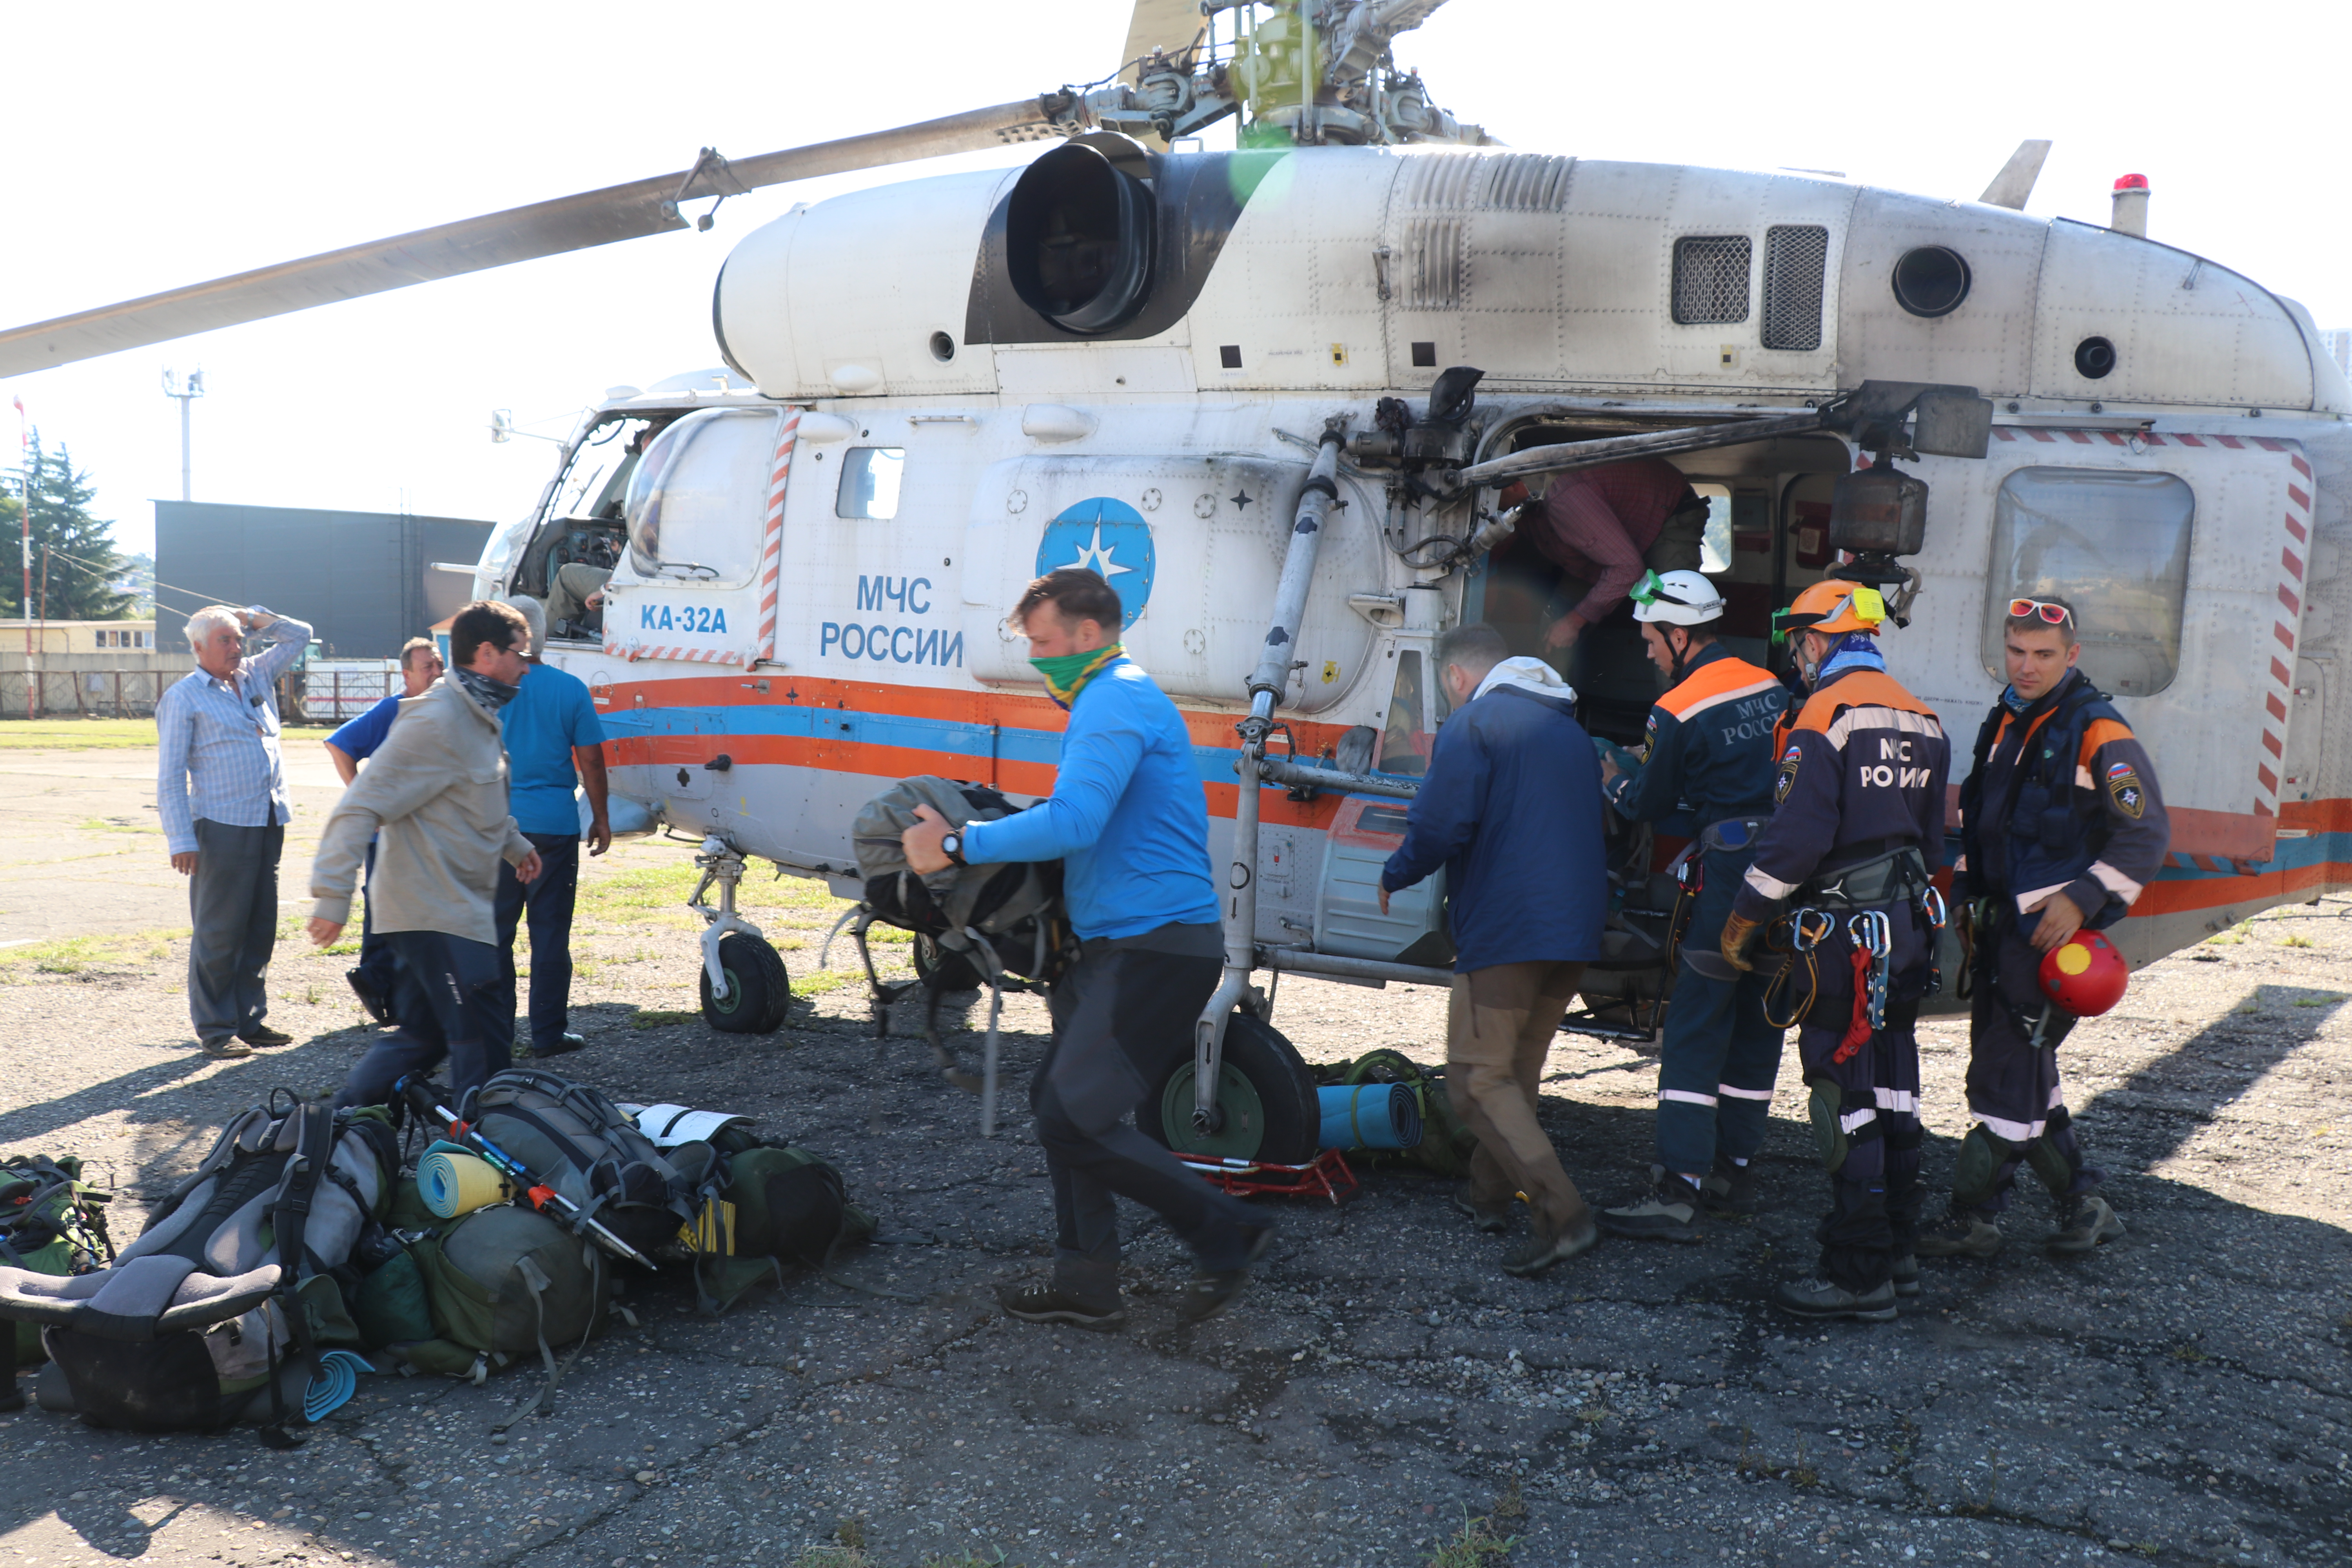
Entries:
{"x":2114,"y":545}
{"x":870,"y":483}
{"x":697,"y":500}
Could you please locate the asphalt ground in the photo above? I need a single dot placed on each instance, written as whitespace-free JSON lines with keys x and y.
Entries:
{"x":2183,"y":1396}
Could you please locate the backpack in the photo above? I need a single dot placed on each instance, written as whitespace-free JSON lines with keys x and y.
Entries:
{"x":1446,"y":1143}
{"x":575,"y":1140}
{"x":774,"y":1206}
{"x":1014,"y":910}
{"x":218,"y":1311}
{"x":462,"y":1298}
{"x":51,"y":1222}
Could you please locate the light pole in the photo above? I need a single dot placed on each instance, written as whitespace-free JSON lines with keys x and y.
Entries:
{"x":194,"y":389}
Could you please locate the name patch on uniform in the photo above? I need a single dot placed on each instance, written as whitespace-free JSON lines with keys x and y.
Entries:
{"x":1788,"y":779}
{"x":2124,"y":786}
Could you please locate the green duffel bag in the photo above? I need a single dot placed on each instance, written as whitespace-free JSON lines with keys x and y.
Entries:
{"x":498,"y":1284}
{"x":778,"y":1208}
{"x":51,"y":1222}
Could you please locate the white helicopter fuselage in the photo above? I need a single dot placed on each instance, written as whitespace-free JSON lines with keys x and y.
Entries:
{"x":818,"y":608}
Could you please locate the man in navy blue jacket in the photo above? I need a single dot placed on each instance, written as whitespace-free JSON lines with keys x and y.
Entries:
{"x":1511,"y":808}
{"x":1129,"y":822}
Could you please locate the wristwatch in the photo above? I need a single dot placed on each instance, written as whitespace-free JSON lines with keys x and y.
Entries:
{"x":953,"y":848}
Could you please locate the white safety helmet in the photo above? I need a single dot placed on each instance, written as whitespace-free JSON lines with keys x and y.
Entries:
{"x":1675,"y":599}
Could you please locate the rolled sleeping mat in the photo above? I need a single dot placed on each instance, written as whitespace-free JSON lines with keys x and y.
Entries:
{"x":338,"y":1379}
{"x":1368,"y":1115}
{"x":453,"y":1181}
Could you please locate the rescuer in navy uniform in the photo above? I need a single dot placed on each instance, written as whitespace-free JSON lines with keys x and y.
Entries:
{"x":1858,"y":822}
{"x":2061,"y":826}
{"x":1710,"y":753}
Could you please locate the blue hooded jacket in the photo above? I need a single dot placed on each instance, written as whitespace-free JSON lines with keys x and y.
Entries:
{"x":1511,"y":808}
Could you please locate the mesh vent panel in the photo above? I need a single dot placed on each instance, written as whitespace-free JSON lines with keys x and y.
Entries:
{"x":1795,"y":260}
{"x":1711,"y":277}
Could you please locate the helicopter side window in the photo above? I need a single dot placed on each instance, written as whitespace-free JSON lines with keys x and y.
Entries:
{"x":697,"y":500}
{"x":1405,"y":739}
{"x":870,"y":477}
{"x":2115,"y":546}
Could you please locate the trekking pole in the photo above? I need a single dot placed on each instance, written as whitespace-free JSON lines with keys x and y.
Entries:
{"x":541,"y":1195}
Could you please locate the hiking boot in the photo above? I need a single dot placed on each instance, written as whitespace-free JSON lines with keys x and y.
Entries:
{"x":1966,"y":1234}
{"x":372,"y":1001}
{"x":263,"y":1035}
{"x":1668,"y":1212}
{"x":1826,"y":1299}
{"x":1045,"y":1304}
{"x":228,"y":1050}
{"x":1906,"y":1275}
{"x":1731,"y":1190}
{"x":1205,"y":1294}
{"x":2084,"y":1224}
{"x":1493,"y":1219}
{"x":1535,"y":1254}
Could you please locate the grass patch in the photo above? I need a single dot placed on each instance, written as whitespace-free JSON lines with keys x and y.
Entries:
{"x":1475,"y":1545}
{"x":57,"y":734}
{"x":827,"y":980}
{"x":118,"y":825}
{"x":663,"y":1017}
{"x":2318,"y":1001}
{"x":72,"y":954}
{"x":2297,"y":941}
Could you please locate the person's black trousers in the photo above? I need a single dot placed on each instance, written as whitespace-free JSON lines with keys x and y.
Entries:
{"x":549,"y":898}
{"x":447,"y":1006}
{"x":1122,"y":1022}
{"x":379,"y":970}
{"x":233,"y":907}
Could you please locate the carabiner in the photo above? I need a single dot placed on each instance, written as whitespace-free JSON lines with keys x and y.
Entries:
{"x":1806,"y":939}
{"x":1931,"y":905}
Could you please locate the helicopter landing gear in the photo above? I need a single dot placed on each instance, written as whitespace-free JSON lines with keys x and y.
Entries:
{"x":745,"y":989}
{"x":1267,"y":1105}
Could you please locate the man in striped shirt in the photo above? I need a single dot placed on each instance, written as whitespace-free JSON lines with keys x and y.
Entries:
{"x":220,"y":788}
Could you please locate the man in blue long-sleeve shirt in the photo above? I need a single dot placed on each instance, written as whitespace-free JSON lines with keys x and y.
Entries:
{"x":220,"y":788}
{"x":1130,"y":823}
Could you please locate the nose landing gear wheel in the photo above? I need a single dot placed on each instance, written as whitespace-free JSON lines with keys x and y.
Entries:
{"x":1264,"y":1089}
{"x":759,"y":992}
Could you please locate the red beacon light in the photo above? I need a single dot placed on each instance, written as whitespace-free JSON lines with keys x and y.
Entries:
{"x":2084,"y":974}
{"x":2132,"y":182}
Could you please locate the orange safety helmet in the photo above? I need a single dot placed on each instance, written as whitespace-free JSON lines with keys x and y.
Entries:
{"x":1831,"y":605}
{"x":2084,"y":974}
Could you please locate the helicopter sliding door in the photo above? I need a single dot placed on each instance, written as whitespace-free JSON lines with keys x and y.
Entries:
{"x":689,"y":585}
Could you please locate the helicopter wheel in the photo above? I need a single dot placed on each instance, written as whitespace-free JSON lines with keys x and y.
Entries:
{"x":1264,"y":1089}
{"x":942,"y":970}
{"x":759,"y":992}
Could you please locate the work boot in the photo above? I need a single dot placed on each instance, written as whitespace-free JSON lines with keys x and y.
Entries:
{"x":1964,"y":1232}
{"x":1906,"y":1275}
{"x":563,"y":1045}
{"x":1826,"y":1299}
{"x":1668,"y":1212}
{"x":1492,"y":1218}
{"x":1205,"y":1294}
{"x":371,"y":1000}
{"x":1535,"y":1254}
{"x":1048,"y":1304}
{"x":227,"y":1048}
{"x":263,"y":1035}
{"x":2084,"y":1222}
{"x":1731,"y":1189}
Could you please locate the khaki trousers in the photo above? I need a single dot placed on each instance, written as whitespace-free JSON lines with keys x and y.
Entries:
{"x":1499,"y":1026}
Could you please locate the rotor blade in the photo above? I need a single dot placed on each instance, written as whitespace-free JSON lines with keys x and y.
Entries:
{"x":2014,"y":183}
{"x":520,"y":234}
{"x":1168,"y":25}
{"x":1564,"y":456}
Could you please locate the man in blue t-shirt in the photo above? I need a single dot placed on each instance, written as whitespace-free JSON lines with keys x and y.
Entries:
{"x":372,"y":979}
{"x":553,"y":742}
{"x":1129,"y":822}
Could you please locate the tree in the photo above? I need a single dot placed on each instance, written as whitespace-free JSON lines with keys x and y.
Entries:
{"x":83,"y":565}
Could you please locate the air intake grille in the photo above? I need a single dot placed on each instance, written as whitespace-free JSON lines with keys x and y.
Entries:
{"x":1711,"y":277}
{"x":1433,"y":252}
{"x":1795,"y":258}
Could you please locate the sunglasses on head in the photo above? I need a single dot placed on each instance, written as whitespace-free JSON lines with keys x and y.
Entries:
{"x":2026,"y":609}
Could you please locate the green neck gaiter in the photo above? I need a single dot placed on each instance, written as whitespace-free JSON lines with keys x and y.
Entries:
{"x":1066,"y":674}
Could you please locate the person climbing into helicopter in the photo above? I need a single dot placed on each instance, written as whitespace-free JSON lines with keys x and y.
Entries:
{"x":1603,"y":526}
{"x":2061,"y":825}
{"x":1843,"y":867}
{"x":1130,"y":823}
{"x":1709,"y":753}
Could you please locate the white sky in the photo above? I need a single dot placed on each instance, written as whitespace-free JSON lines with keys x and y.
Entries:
{"x":152,"y":146}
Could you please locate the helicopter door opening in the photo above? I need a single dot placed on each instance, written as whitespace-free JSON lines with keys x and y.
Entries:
{"x":583,"y":526}
{"x":696,"y":513}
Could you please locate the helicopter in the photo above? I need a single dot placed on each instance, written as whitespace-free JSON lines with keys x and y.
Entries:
{"x":1276,"y":396}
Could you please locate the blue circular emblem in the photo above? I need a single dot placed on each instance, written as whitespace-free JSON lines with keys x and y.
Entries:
{"x":1108,"y":538}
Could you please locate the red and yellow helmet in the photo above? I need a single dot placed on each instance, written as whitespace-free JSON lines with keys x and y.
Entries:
{"x":1830,"y":606}
{"x":2084,"y":974}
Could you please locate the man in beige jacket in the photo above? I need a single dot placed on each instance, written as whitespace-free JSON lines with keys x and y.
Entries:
{"x":434,"y":798}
